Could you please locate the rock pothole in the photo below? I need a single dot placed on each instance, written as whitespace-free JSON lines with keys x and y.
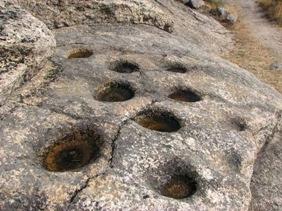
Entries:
{"x":176,"y":68}
{"x":77,"y":53}
{"x":72,"y":152}
{"x":208,"y":166}
{"x":124,"y":66}
{"x":115,"y":92}
{"x":162,"y":121}
{"x":179,"y":187}
{"x":185,"y":95}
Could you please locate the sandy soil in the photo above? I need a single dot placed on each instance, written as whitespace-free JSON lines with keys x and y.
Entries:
{"x":270,"y":35}
{"x":258,"y":43}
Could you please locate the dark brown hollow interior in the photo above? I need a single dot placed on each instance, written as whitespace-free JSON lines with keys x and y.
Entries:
{"x":79,"y":53}
{"x":179,"y":187}
{"x":185,"y":95}
{"x":115,"y":92}
{"x":124,"y":66}
{"x":176,"y":68}
{"x":158,"y":121}
{"x":71,"y":152}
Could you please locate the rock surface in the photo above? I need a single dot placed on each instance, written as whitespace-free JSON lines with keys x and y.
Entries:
{"x":224,"y":15}
{"x":276,"y":66}
{"x":135,"y":117}
{"x":196,"y":4}
{"x":266,"y":182}
{"x":166,"y":15}
{"x":25,"y":45}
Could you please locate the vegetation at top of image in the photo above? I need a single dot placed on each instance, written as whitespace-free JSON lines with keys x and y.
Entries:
{"x":273,"y":9}
{"x":215,"y":3}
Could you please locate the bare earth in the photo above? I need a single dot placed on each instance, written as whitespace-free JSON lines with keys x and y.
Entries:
{"x":268,"y":34}
{"x":259,"y":43}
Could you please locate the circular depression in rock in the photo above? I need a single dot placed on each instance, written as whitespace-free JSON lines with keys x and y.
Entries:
{"x":115,"y":92}
{"x":161,"y":121}
{"x":179,"y":187}
{"x":239,"y":124}
{"x":124,"y":66}
{"x":185,"y":95}
{"x":176,"y":68}
{"x":71,"y":152}
{"x":79,"y":53}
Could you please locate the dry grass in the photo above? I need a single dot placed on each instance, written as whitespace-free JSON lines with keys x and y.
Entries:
{"x":273,"y":9}
{"x":214,"y":3}
{"x":250,"y":55}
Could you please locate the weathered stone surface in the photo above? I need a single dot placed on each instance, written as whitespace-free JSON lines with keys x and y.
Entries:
{"x":266,"y":181}
{"x":167,"y":15}
{"x":276,"y":66}
{"x":108,"y":79}
{"x":25,"y":45}
{"x":224,"y":15}
{"x":57,"y":14}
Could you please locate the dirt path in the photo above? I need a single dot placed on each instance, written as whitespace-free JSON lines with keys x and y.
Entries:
{"x":268,"y":34}
{"x":258,"y":43}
